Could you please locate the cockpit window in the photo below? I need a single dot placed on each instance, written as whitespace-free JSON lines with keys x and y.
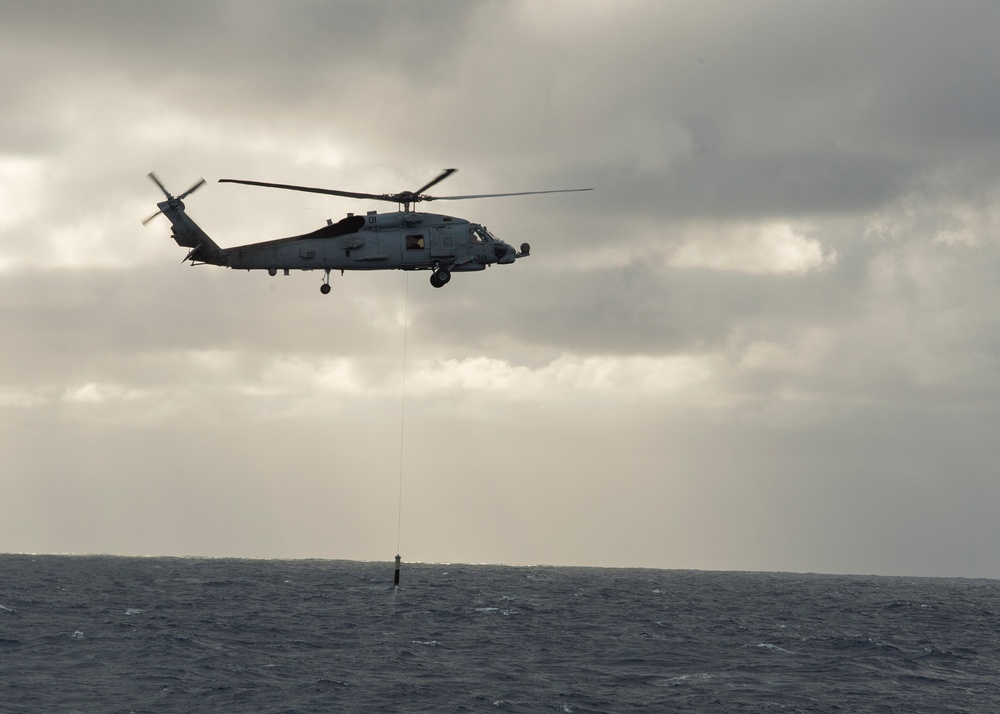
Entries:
{"x":479,"y":235}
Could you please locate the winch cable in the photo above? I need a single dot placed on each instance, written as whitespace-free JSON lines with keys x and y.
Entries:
{"x":402,"y":425}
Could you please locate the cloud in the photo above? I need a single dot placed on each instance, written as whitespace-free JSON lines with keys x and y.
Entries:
{"x":21,"y":398}
{"x":773,"y":248}
{"x":772,"y":316}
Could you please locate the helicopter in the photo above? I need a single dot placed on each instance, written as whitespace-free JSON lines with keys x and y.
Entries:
{"x":400,"y":240}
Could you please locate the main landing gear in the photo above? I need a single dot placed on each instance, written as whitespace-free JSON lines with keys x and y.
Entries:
{"x":440,"y":277}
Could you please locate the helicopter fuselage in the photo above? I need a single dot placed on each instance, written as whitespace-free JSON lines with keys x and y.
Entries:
{"x":403,"y":240}
{"x":377,"y":241}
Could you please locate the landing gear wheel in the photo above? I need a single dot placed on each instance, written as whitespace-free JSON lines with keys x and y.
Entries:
{"x":324,"y":288}
{"x":440,"y":277}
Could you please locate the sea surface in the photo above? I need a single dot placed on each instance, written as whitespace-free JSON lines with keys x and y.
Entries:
{"x":112,"y":634}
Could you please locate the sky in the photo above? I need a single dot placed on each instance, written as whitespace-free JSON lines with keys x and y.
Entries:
{"x":767,"y":340}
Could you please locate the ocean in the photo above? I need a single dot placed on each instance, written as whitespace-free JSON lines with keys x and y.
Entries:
{"x":115,"y":634}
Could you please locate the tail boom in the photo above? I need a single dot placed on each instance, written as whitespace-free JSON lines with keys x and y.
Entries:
{"x":189,"y":234}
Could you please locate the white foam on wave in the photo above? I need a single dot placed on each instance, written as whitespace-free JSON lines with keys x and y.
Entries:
{"x":682,"y":679}
{"x":491,"y":610}
{"x":773,"y":648}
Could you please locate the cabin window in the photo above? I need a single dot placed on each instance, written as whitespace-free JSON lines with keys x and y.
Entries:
{"x":415,"y":242}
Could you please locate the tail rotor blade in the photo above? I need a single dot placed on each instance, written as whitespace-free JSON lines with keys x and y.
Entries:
{"x":201,"y":182}
{"x":174,"y":201}
{"x":147,"y":220}
{"x":157,"y":182}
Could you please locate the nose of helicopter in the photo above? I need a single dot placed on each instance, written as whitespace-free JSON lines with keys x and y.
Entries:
{"x":505,"y":253}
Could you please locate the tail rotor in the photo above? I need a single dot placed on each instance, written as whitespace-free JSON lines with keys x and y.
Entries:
{"x":174,"y":201}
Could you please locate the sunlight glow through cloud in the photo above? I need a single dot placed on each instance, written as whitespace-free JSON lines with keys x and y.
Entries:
{"x":20,"y":189}
{"x":99,"y":393}
{"x":630,"y":377}
{"x":766,"y":248}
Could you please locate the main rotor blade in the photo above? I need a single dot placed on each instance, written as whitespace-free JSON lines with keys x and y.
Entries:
{"x":445,"y":174}
{"x":327,"y":191}
{"x":497,"y":195}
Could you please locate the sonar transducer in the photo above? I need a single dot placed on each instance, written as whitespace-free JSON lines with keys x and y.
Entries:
{"x":395,"y":580}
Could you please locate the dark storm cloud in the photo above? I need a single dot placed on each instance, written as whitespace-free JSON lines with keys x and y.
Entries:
{"x":781,"y":110}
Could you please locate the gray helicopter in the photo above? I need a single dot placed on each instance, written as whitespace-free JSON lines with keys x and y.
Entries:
{"x":402,"y":240}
